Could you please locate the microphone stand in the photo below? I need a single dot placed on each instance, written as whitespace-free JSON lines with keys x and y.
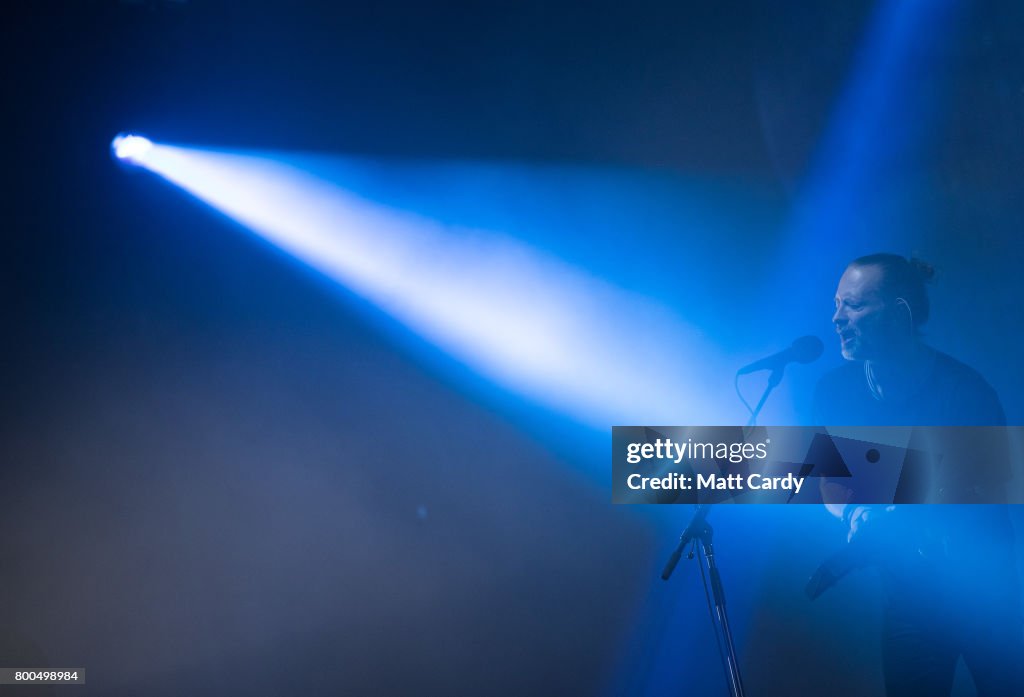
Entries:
{"x":700,"y":530}
{"x":773,"y":381}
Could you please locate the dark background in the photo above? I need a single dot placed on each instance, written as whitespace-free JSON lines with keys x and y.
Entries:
{"x":218,"y":476}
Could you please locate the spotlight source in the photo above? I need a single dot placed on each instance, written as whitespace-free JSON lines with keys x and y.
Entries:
{"x":128,"y":147}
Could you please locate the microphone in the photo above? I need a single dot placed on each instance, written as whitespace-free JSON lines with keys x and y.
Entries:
{"x":806,"y":349}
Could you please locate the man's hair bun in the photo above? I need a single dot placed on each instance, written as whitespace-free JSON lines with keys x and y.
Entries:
{"x":922,"y":268}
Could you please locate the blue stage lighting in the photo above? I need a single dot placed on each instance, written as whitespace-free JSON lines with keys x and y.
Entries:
{"x":519,"y":316}
{"x":130,"y":148}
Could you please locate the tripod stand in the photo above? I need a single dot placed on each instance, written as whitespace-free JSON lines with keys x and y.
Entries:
{"x":699,"y":530}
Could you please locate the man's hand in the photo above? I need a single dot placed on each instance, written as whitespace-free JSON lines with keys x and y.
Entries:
{"x":863,"y":519}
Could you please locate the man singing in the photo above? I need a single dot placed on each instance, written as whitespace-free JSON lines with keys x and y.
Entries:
{"x":949,"y":571}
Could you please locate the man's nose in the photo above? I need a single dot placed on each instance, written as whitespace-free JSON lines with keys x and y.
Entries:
{"x":839,"y":318}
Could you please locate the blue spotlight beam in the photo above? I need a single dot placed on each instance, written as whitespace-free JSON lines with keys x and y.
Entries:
{"x":868,"y":180}
{"x":527,"y":320}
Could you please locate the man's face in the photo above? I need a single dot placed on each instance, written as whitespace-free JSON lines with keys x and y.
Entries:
{"x":863,"y":319}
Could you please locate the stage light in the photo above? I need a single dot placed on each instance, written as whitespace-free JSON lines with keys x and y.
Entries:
{"x":518,"y":315}
{"x":132,"y":148}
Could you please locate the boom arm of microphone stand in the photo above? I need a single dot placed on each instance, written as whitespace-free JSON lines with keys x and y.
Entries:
{"x":697,"y":523}
{"x":692,"y":530}
{"x":773,"y":381}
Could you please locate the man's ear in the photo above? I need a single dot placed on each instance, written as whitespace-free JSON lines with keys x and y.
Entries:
{"x":910,"y":313}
